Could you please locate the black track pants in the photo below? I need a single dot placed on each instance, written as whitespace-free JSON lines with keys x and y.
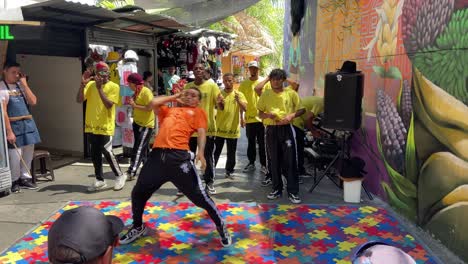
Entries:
{"x":101,"y":144}
{"x":231,"y":152}
{"x":300,"y":149}
{"x":174,"y":166}
{"x":255,"y":133}
{"x":210,"y":148}
{"x":281,"y":148}
{"x":140,"y":151}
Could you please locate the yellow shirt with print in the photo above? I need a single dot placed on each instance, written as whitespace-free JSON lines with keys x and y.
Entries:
{"x":141,"y":117}
{"x":247,"y":87}
{"x":281,"y":104}
{"x":209,"y":92}
{"x":227,"y":120}
{"x":99,"y":119}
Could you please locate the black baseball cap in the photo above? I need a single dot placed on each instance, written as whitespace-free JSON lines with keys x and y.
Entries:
{"x":84,"y":229}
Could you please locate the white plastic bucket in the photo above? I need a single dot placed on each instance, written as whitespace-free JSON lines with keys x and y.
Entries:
{"x":352,"y":191}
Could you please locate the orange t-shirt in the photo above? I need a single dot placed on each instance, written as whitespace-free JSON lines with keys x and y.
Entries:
{"x":177,"y":124}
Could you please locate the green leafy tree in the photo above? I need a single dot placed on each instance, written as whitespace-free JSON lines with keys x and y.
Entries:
{"x":266,"y":19}
{"x":113,"y":4}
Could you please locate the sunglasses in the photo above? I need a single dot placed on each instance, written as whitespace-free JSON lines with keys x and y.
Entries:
{"x":103,"y":73}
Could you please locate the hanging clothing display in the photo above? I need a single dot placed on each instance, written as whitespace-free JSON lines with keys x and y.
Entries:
{"x":184,"y":52}
{"x":123,"y":118}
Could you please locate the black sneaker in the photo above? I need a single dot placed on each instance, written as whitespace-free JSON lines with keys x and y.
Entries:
{"x":249,"y":167}
{"x":27,"y":184}
{"x":229,"y":175}
{"x":15,"y":187}
{"x":226,"y":239}
{"x":274,"y":195}
{"x":266,"y":182}
{"x":132,"y":234}
{"x":294,"y":198}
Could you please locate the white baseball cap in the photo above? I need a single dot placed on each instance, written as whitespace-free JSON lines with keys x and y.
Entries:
{"x":253,"y":64}
{"x":130,"y":54}
{"x":191,"y":75}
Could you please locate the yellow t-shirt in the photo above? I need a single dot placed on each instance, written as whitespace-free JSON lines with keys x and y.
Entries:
{"x":312,"y":104}
{"x":100,"y":120}
{"x":227,"y":120}
{"x":281,"y":104}
{"x":247,"y":87}
{"x":210,"y":92}
{"x":141,"y":117}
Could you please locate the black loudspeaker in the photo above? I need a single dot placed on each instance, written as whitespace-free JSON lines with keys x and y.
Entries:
{"x":343,"y":100}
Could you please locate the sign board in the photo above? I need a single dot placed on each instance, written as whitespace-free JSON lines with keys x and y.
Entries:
{"x":21,"y":32}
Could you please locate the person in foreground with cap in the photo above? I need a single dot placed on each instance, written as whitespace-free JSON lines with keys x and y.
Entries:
{"x":375,"y":252}
{"x":171,"y":161}
{"x":143,"y":122}
{"x":254,"y":128}
{"x":83,"y":235}
{"x":101,"y":96}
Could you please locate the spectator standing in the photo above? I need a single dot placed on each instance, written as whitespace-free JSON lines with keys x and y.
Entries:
{"x":101,"y":96}
{"x":210,"y":96}
{"x":21,"y":130}
{"x":278,"y":107}
{"x":148,"y":78}
{"x":259,"y":89}
{"x":143,"y":122}
{"x":227,"y":122}
{"x":254,"y":128}
{"x":169,"y":78}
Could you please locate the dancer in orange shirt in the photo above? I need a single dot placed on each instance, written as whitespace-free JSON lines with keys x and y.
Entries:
{"x":171,"y":160}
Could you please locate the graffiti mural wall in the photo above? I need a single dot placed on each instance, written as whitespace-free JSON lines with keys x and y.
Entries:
{"x":414,"y":137}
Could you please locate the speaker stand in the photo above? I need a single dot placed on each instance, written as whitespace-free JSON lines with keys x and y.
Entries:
{"x":339,"y":156}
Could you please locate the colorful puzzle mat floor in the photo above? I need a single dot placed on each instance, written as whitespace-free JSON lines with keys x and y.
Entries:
{"x":262,"y":233}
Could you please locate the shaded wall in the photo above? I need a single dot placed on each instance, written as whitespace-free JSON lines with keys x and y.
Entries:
{"x":414,"y":136}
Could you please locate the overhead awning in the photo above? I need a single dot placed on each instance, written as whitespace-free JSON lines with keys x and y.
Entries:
{"x":71,"y":13}
{"x":196,"y":13}
{"x":64,"y":12}
{"x":250,"y":48}
{"x":143,"y":22}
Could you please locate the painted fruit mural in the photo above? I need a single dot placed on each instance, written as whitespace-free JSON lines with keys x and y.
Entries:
{"x":414,"y":137}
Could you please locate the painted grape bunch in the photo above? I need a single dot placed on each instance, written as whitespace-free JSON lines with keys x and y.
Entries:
{"x":435,"y":37}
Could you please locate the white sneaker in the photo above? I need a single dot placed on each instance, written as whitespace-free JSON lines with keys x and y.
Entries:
{"x":264,"y":170}
{"x":97,"y":185}
{"x":120,"y":182}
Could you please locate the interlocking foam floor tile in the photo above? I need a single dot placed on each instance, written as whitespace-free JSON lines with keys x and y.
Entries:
{"x":262,"y":233}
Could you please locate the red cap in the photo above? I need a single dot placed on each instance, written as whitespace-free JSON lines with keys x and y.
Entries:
{"x":101,"y":65}
{"x":135,"y":78}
